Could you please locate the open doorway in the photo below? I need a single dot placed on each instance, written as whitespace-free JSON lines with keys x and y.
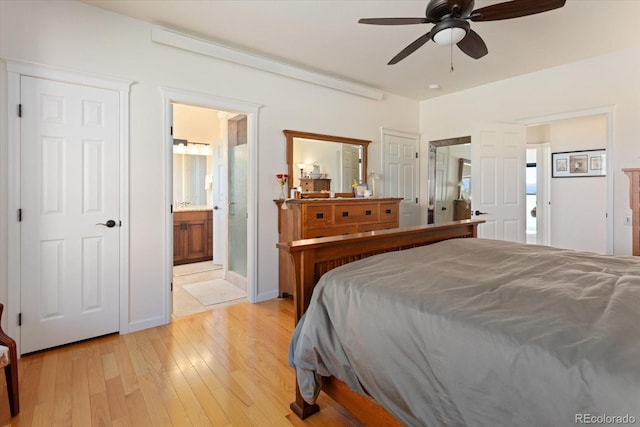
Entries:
{"x":570,"y":212}
{"x":209,"y":206}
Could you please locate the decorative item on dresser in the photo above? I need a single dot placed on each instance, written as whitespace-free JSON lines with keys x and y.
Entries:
{"x":192,"y":236}
{"x":634,"y":202}
{"x":315,"y":184}
{"x":311,"y":218}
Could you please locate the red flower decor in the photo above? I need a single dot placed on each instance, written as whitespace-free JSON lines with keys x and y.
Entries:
{"x":282,"y":178}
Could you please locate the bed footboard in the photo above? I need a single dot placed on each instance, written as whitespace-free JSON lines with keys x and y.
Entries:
{"x":312,"y":258}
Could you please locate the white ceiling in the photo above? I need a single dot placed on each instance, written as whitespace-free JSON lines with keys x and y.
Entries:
{"x":324,"y":36}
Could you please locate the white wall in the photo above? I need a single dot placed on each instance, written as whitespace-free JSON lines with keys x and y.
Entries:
{"x":578,"y":205}
{"x":608,"y":80}
{"x":77,"y":36}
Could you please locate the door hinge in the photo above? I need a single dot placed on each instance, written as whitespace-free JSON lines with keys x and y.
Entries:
{"x":19,"y":110}
{"x":171,"y":286}
{"x":416,"y":200}
{"x":171,"y":208}
{"x":19,"y":319}
{"x":20,"y":215}
{"x":171,"y":130}
{"x":416,"y":155}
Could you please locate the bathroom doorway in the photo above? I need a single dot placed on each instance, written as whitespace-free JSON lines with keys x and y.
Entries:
{"x":209,"y":208}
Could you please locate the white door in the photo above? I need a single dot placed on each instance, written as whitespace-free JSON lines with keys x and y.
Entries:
{"x":350,"y":168}
{"x":498,"y":159}
{"x":69,"y":184}
{"x":401,"y":172}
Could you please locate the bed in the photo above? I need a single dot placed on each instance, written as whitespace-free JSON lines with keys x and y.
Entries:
{"x":535,"y":336}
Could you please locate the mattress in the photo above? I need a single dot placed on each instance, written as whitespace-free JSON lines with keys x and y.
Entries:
{"x":474,"y":332}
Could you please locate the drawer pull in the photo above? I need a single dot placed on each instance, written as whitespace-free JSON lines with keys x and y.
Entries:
{"x":387,"y":211}
{"x":345,"y":213}
{"x":367,"y":212}
{"x":319,"y":215}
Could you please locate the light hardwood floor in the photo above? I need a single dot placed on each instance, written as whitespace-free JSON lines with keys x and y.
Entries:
{"x":225,"y":367}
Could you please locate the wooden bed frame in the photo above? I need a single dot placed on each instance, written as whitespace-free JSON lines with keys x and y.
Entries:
{"x":312,"y":258}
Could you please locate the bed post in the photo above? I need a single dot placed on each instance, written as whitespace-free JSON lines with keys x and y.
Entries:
{"x":303,"y":267}
{"x":301,"y":408}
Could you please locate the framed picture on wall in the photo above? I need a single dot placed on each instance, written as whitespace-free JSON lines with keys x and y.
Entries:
{"x":576,"y":164}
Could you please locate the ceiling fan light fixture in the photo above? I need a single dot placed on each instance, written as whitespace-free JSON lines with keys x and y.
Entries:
{"x":449,"y":36}
{"x":449,"y":31}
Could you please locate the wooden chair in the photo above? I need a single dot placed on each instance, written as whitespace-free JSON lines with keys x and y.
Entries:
{"x":9,"y":361}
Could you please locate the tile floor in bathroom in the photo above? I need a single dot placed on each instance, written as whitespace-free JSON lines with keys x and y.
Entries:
{"x":184,"y":304}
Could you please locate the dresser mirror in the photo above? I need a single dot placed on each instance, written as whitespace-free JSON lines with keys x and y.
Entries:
{"x":332,"y":162}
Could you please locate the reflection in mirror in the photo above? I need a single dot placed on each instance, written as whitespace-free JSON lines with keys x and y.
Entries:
{"x":449,"y":180}
{"x":326,"y":162}
{"x":190,"y":174}
{"x":464,"y":178}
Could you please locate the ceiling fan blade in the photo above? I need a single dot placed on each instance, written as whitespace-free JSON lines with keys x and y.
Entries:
{"x":394,"y":21}
{"x":473,"y":45}
{"x":411,"y":48}
{"x":515,"y":9}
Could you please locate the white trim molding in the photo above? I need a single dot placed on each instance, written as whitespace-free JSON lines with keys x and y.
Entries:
{"x":15,"y":70}
{"x":225,"y":53}
{"x":171,"y":95}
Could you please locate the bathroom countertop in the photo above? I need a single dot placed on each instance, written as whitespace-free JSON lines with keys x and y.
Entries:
{"x":191,"y":208}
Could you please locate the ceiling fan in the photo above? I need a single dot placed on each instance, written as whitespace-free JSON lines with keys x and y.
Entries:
{"x":451,"y":27}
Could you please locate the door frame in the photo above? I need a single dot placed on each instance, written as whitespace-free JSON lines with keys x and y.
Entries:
{"x":607,"y":111}
{"x":180,"y":96}
{"x":15,"y":70}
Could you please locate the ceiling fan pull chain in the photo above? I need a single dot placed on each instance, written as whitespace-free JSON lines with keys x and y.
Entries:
{"x":451,"y":70}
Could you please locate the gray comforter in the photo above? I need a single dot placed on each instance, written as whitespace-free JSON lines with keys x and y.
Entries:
{"x":472,"y":332}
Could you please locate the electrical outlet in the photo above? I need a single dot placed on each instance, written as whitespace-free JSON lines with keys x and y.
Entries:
{"x":627,"y":220}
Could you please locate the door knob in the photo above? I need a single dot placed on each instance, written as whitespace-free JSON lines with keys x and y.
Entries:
{"x":215,"y":208}
{"x":480,"y":213}
{"x":110,"y":224}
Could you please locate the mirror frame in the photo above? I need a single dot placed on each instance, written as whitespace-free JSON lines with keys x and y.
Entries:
{"x":291,"y":134}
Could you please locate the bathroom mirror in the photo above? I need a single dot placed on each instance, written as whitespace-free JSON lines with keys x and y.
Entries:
{"x":189,"y":174}
{"x":317,"y":156}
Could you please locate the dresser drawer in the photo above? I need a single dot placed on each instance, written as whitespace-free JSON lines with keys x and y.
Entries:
{"x":316,"y":216}
{"x":358,"y":212}
{"x":311,"y":233}
{"x":388,"y":211}
{"x":377,"y":226}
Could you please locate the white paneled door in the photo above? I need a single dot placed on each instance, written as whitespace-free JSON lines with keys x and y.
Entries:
{"x":401,"y":172}
{"x":70,"y":195}
{"x":498,"y":159}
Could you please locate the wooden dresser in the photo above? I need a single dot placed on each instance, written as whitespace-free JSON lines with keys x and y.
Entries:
{"x":310,"y":218}
{"x":634,"y":202}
